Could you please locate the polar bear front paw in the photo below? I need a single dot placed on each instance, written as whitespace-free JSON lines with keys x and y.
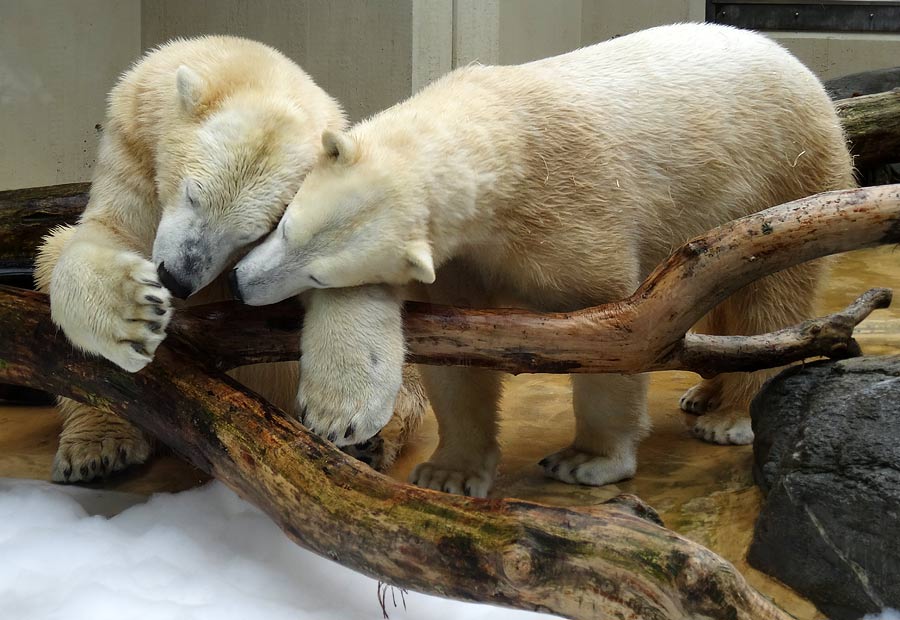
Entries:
{"x":472,"y":476}
{"x":347,"y":403}
{"x":351,"y":369}
{"x":111,"y":304}
{"x":88,"y":454}
{"x":577,"y":467}
{"x":724,"y":427}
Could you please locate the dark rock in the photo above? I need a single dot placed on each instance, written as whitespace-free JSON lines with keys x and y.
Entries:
{"x":827,"y":454}
{"x":864,"y":83}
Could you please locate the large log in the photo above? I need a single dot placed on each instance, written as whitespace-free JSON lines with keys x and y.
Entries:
{"x":608,"y":561}
{"x":872,"y":126}
{"x":26,"y":215}
{"x":871,"y":123}
{"x":645,"y":332}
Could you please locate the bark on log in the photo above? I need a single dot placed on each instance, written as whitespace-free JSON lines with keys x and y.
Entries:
{"x":608,"y":561}
{"x":872,"y":126}
{"x":871,"y":123}
{"x":643,"y":333}
{"x":26,"y":215}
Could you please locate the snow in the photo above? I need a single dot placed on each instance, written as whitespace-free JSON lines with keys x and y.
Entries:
{"x":197,"y":555}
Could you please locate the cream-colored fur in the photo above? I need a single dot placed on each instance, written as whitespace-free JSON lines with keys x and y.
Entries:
{"x":556,"y":185}
{"x":205,"y":142}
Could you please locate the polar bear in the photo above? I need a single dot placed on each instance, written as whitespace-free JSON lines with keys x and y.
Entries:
{"x":205,"y":142}
{"x":556,"y":185}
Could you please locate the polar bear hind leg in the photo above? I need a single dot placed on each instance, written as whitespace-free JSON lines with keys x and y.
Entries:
{"x":774,"y":302}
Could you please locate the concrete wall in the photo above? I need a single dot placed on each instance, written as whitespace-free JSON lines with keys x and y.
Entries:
{"x":58,"y":59}
{"x":834,"y":55}
{"x":531,"y":29}
{"x":366,"y":53}
{"x":57,"y":62}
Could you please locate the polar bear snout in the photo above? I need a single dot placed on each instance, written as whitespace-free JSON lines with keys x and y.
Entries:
{"x":177,"y":288}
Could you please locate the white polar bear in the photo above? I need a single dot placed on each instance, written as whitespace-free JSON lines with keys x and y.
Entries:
{"x":205,"y":142}
{"x":561,"y":184}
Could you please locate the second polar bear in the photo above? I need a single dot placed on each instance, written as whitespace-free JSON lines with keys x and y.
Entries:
{"x":205,"y":142}
{"x":557,"y":185}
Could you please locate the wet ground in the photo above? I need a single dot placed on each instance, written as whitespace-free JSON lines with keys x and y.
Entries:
{"x":703,"y":491}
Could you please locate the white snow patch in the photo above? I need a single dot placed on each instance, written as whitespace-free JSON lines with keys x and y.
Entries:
{"x":203,"y":554}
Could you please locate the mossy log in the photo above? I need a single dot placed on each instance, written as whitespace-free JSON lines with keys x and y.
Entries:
{"x":608,"y":561}
{"x":871,"y":124}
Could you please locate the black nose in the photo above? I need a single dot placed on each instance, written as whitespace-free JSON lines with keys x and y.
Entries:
{"x":179,"y":290}
{"x":235,"y":287}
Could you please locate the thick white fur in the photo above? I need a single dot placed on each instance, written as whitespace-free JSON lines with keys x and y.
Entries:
{"x":560,"y":184}
{"x":205,"y":142}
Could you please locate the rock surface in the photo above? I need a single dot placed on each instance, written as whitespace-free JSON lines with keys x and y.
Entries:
{"x":827,"y":454}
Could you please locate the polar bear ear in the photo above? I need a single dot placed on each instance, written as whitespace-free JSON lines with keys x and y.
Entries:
{"x":190,"y":88}
{"x":339,"y":147}
{"x":420,"y":261}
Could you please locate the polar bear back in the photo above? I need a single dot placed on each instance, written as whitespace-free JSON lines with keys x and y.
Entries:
{"x":648,"y":139}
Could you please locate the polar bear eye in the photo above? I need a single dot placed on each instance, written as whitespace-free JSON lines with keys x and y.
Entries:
{"x":191,"y":191}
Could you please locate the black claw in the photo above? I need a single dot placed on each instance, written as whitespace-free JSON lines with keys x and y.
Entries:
{"x":572,"y":471}
{"x":84,"y":471}
{"x":349,"y":431}
{"x":303,"y":415}
{"x":555,"y":469}
{"x":139,"y":348}
{"x":158,"y":311}
{"x":153,"y":299}
{"x":154,"y":327}
{"x":468,"y":490}
{"x":123,"y":454}
{"x":94,"y":465}
{"x":67,"y":472}
{"x":332,"y":436}
{"x":105,"y":462}
{"x":543,"y":462}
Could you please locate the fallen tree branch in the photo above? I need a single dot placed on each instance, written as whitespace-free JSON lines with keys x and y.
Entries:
{"x":26,"y":215}
{"x":605,"y":561}
{"x":645,"y":332}
{"x":274,"y":336}
{"x":872,"y":126}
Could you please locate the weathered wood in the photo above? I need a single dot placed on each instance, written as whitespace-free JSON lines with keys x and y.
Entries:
{"x":646,"y":332}
{"x":607,"y":561}
{"x":872,"y":126}
{"x":26,"y":215}
{"x":871,"y":123}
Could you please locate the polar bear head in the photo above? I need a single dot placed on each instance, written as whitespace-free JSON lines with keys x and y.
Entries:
{"x":232,"y":168}
{"x":354,"y":221}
